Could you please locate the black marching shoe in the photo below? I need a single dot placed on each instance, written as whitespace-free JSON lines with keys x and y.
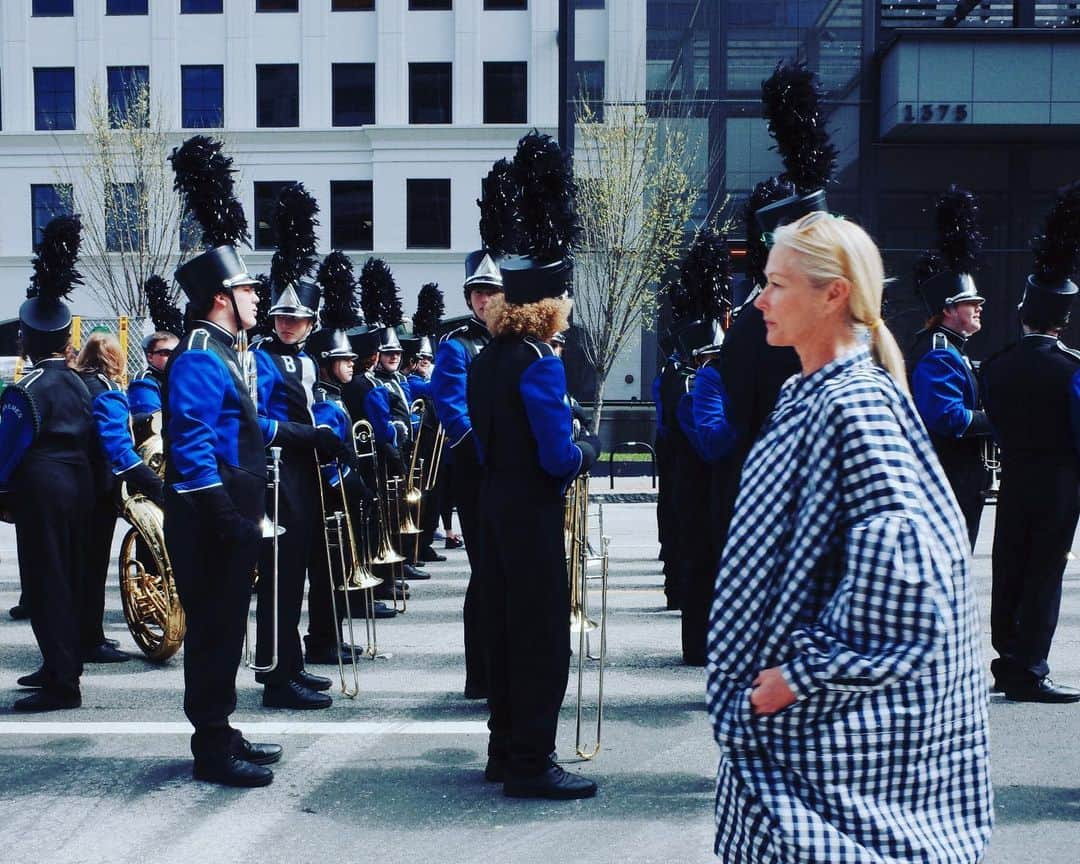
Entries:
{"x":294,"y":695}
{"x":232,"y":771}
{"x":553,"y":783}
{"x":453,"y":543}
{"x":104,"y":653}
{"x":258,"y":754}
{"x":313,"y":682}
{"x":48,"y":700}
{"x":429,"y":554}
{"x":360,"y":610}
{"x":1043,"y":690}
{"x":495,"y":770}
{"x":18,"y":612}
{"x":34,"y":679}
{"x":412,"y":572}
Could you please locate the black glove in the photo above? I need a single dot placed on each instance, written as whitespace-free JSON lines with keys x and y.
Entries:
{"x":329,"y":446}
{"x":357,"y":490}
{"x":290,"y":434}
{"x":142,"y":479}
{"x":578,"y":413}
{"x":219,"y":511}
{"x":591,"y":450}
{"x":395,"y":465}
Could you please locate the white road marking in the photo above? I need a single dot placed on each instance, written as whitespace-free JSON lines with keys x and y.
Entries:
{"x":255,"y":728}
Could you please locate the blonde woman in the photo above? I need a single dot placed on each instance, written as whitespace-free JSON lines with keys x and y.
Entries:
{"x":100,"y":364}
{"x":845,"y":684}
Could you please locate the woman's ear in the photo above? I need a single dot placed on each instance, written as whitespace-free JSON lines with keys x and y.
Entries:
{"x":838,"y":294}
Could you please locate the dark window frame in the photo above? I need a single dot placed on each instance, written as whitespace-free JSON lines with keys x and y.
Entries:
{"x":339,"y":114}
{"x":360,"y":6}
{"x":192,"y":116}
{"x":39,"y":113}
{"x":262,"y":121}
{"x":435,"y":5}
{"x":266,"y":194}
{"x":421,"y":206}
{"x":594,"y":101}
{"x":294,"y":6}
{"x":503,"y":108}
{"x":64,"y":206}
{"x":425,"y":88}
{"x":494,"y":6}
{"x":345,"y":213}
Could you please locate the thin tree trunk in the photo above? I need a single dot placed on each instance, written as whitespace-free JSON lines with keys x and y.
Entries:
{"x":598,"y":404}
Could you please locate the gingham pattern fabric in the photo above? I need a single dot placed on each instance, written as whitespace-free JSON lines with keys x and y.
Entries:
{"x":847,"y":566}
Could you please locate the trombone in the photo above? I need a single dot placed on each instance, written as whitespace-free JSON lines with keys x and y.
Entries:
{"x":386,"y":554}
{"x":270,"y":530}
{"x":579,"y":556}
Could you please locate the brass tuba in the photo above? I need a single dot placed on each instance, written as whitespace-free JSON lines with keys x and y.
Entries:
{"x":147,"y":591}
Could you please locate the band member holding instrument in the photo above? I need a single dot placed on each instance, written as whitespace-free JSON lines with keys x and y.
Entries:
{"x":46,"y":432}
{"x":1032,"y":394}
{"x":144,"y":392}
{"x":114,"y":461}
{"x":943,"y":382}
{"x":215,"y":476}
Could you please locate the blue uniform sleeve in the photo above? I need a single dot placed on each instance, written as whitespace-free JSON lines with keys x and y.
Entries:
{"x":377,"y":409}
{"x":112,"y":416}
{"x":18,"y":428}
{"x":711,"y":432}
{"x":419,"y":387}
{"x":197,"y":382}
{"x":144,"y":396}
{"x":448,"y":383}
{"x":938,"y":385}
{"x":331,"y":416}
{"x":1074,"y":409}
{"x":267,"y":376}
{"x":543,"y":390}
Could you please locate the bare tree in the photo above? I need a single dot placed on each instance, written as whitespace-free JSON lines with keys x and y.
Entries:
{"x":123,"y":190}
{"x":639,"y":181}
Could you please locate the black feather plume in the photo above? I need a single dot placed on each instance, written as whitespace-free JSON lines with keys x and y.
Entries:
{"x":790,"y":104}
{"x":429,"y":310}
{"x":379,"y":294}
{"x":681,"y":300}
{"x":498,"y":209}
{"x":294,"y":233}
{"x":340,"y":309}
{"x":264,"y":325}
{"x":165,"y":314}
{"x":706,"y":275}
{"x":959,"y":237}
{"x":1056,"y":248}
{"x":204,"y":179}
{"x":547,"y":206}
{"x":757,"y":251}
{"x":928,"y":264}
{"x":55,"y":276}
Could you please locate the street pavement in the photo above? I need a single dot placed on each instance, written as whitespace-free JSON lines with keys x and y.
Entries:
{"x":396,"y":774}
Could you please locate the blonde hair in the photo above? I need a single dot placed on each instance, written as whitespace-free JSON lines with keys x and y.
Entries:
{"x":540,"y":320}
{"x":831,"y":248}
{"x":101,"y":353}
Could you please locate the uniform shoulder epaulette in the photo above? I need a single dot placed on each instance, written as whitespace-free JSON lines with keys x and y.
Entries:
{"x":107,"y":381}
{"x":29,"y":379}
{"x":144,"y":375}
{"x":198,"y":339}
{"x":542,"y":349}
{"x":939,"y":342}
{"x":457,"y":331}
{"x":1065,"y":349}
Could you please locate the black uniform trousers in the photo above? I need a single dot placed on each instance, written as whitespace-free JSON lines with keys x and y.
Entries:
{"x":98,"y":563}
{"x":667,"y":517}
{"x":50,"y":502}
{"x":528,"y":601}
{"x":696,"y":563}
{"x":466,"y":493}
{"x":213,"y":578}
{"x":964,"y":469}
{"x":299,"y":502}
{"x":1037,"y":511}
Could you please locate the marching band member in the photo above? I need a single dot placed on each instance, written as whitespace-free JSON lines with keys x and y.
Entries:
{"x":1032,"y":395}
{"x":46,"y":432}
{"x":456,"y":352}
{"x":419,"y":365}
{"x":144,"y":392}
{"x":943,"y":382}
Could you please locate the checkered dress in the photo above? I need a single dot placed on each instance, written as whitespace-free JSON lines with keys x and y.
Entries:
{"x":847,"y":567}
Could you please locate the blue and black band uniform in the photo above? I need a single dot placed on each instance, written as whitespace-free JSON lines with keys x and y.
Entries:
{"x":420,"y":388}
{"x":523,"y":434}
{"x":49,"y":489}
{"x":449,"y":386}
{"x":1032,"y":395}
{"x":215,"y":494}
{"x":946,"y":393}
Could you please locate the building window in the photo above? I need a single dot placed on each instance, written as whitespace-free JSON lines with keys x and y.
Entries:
{"x":499,"y":5}
{"x":506,"y":91}
{"x":430,"y":5}
{"x":588,"y":4}
{"x":589,"y":80}
{"x":277,"y":89}
{"x":125,"y":229}
{"x":266,"y":198}
{"x":54,"y":98}
{"x":430,"y":93}
{"x":277,"y":5}
{"x":427,"y":214}
{"x":353,"y":94}
{"x":129,"y":95}
{"x":200,"y":7}
{"x":47,"y":201}
{"x":126,"y":7}
{"x":351,"y":217}
{"x":202,"y":96}
{"x":352,"y":5}
{"x":53,"y":8}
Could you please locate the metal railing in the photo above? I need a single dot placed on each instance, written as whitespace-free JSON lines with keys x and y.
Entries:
{"x":620,"y":446}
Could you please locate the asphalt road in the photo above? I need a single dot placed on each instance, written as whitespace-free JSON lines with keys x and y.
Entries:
{"x":395,"y":775}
